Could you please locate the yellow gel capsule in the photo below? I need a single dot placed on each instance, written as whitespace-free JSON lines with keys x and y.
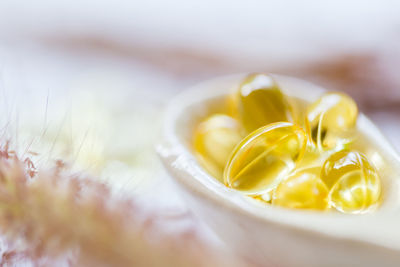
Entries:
{"x":329,"y":118}
{"x":262,"y":159}
{"x":261,"y":102}
{"x":302,"y":190}
{"x":214,"y":140}
{"x":353,"y":182}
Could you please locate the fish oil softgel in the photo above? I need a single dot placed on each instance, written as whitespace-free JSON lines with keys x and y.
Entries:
{"x":353,"y":183}
{"x":295,"y":155}
{"x":214,"y":140}
{"x":302,"y":190}
{"x":260,"y":102}
{"x":265,"y":157}
{"x":330,"y":120}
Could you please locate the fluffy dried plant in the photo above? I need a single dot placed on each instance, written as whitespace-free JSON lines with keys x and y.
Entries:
{"x":50,"y":215}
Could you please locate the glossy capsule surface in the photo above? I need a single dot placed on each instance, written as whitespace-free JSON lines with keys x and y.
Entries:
{"x":214,"y":140}
{"x":264,"y":198}
{"x":262,"y":159}
{"x":260,"y":102}
{"x":353,"y":183}
{"x":302,"y":190}
{"x":330,"y":118}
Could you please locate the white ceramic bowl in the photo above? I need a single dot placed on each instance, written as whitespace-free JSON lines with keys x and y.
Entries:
{"x":272,"y":236}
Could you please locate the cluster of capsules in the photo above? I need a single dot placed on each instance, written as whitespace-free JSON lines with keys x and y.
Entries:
{"x":273,"y":148}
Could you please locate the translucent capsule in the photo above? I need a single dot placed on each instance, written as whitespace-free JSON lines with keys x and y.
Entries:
{"x":330,"y":119}
{"x":302,"y":190}
{"x":353,"y":183}
{"x":260,"y":102}
{"x":262,"y":159}
{"x":214,"y":140}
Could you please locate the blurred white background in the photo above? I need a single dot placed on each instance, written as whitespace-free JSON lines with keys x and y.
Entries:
{"x":250,"y":33}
